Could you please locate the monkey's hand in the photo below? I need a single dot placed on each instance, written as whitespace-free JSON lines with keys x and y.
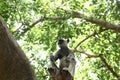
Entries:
{"x":52,"y":57}
{"x":52,"y":60}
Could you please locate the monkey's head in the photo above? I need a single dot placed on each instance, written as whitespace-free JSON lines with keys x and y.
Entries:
{"x":63,"y":42}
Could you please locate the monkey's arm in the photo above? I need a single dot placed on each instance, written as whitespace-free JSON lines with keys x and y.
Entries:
{"x":52,"y":60}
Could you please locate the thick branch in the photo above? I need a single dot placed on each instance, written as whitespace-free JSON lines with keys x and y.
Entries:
{"x":93,"y":20}
{"x":101,"y":23}
{"x":104,"y":24}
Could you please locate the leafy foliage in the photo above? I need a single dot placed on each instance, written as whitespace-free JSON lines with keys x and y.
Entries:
{"x":41,"y":39}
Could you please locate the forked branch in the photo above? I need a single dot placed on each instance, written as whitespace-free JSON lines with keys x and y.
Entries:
{"x":75,"y":14}
{"x":103,"y":60}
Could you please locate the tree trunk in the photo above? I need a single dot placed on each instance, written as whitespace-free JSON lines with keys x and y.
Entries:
{"x":57,"y":74}
{"x":14,"y":65}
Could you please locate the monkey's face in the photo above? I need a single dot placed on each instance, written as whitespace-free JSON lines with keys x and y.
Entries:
{"x":63,"y":42}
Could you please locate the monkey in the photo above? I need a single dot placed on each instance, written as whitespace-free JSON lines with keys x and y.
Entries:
{"x":66,"y":57}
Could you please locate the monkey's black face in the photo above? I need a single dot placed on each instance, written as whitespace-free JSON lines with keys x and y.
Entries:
{"x":60,"y":41}
{"x":63,"y":43}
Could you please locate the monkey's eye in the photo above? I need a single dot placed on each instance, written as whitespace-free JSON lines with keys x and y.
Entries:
{"x":68,"y":40}
{"x":60,"y":41}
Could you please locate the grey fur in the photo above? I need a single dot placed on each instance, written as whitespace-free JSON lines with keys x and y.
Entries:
{"x":66,"y":56}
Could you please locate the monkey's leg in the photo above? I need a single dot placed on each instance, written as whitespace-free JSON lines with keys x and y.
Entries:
{"x":71,"y":67}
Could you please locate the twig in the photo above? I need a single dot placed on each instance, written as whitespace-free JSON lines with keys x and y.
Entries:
{"x":43,"y":19}
{"x":93,"y":34}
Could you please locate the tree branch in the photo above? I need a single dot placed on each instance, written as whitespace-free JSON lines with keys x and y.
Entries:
{"x":93,"y":34}
{"x":88,"y":55}
{"x":101,"y":23}
{"x":42,"y":19}
{"x":109,"y":67}
{"x":103,"y":60}
{"x":75,"y":14}
{"x":14,"y":65}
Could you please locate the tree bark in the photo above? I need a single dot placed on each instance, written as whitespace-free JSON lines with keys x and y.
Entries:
{"x":57,"y":74}
{"x":14,"y":64}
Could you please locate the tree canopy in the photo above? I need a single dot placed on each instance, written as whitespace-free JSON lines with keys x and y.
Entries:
{"x":91,"y":25}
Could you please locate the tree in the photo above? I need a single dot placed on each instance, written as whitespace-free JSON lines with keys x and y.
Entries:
{"x":14,"y":65}
{"x":91,"y":25}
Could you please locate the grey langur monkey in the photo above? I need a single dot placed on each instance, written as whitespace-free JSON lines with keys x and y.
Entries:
{"x":66,"y":57}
